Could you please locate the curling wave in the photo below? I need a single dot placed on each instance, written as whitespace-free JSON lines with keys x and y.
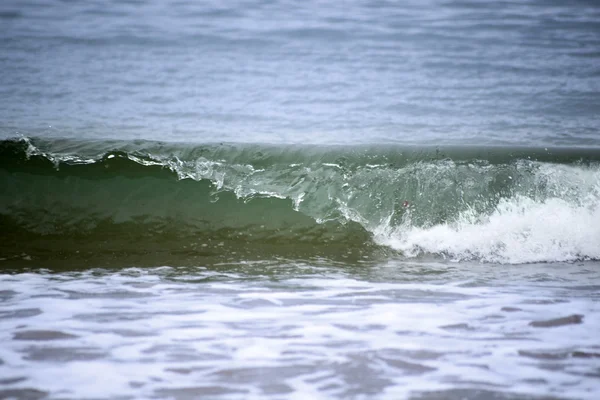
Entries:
{"x":504,"y":205}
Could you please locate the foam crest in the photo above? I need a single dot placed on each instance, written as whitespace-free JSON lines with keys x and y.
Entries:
{"x":519,"y":230}
{"x":550,"y":213}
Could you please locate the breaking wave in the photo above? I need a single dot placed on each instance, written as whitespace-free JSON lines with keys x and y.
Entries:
{"x":500,"y":205}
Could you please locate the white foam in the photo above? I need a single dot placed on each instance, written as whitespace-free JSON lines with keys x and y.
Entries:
{"x":520,"y":230}
{"x":325,"y":334}
{"x":553,"y":215}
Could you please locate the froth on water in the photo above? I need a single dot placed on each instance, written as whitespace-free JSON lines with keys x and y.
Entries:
{"x":275,"y":330}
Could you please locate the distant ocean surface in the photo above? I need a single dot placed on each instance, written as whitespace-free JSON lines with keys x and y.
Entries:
{"x":299,"y":200}
{"x":475,"y":72}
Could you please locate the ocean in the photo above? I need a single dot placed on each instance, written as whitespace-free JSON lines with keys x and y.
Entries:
{"x":273,"y":199}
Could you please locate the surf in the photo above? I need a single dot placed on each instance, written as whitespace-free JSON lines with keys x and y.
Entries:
{"x":499,"y":205}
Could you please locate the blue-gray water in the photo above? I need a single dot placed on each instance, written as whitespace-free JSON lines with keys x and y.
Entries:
{"x":293,"y":200}
{"x":525,"y":72}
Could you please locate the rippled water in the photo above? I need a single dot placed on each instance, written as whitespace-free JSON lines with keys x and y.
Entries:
{"x":424,"y":330}
{"x":282,"y":71}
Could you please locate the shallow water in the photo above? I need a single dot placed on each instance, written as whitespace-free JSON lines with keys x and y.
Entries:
{"x":399,"y":329}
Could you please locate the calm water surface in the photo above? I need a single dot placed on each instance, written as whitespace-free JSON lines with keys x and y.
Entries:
{"x":429,"y":71}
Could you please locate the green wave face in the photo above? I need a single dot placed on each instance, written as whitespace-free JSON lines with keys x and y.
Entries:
{"x":153,"y":203}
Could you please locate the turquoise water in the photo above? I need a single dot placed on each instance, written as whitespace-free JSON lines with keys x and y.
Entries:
{"x":282,"y":200}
